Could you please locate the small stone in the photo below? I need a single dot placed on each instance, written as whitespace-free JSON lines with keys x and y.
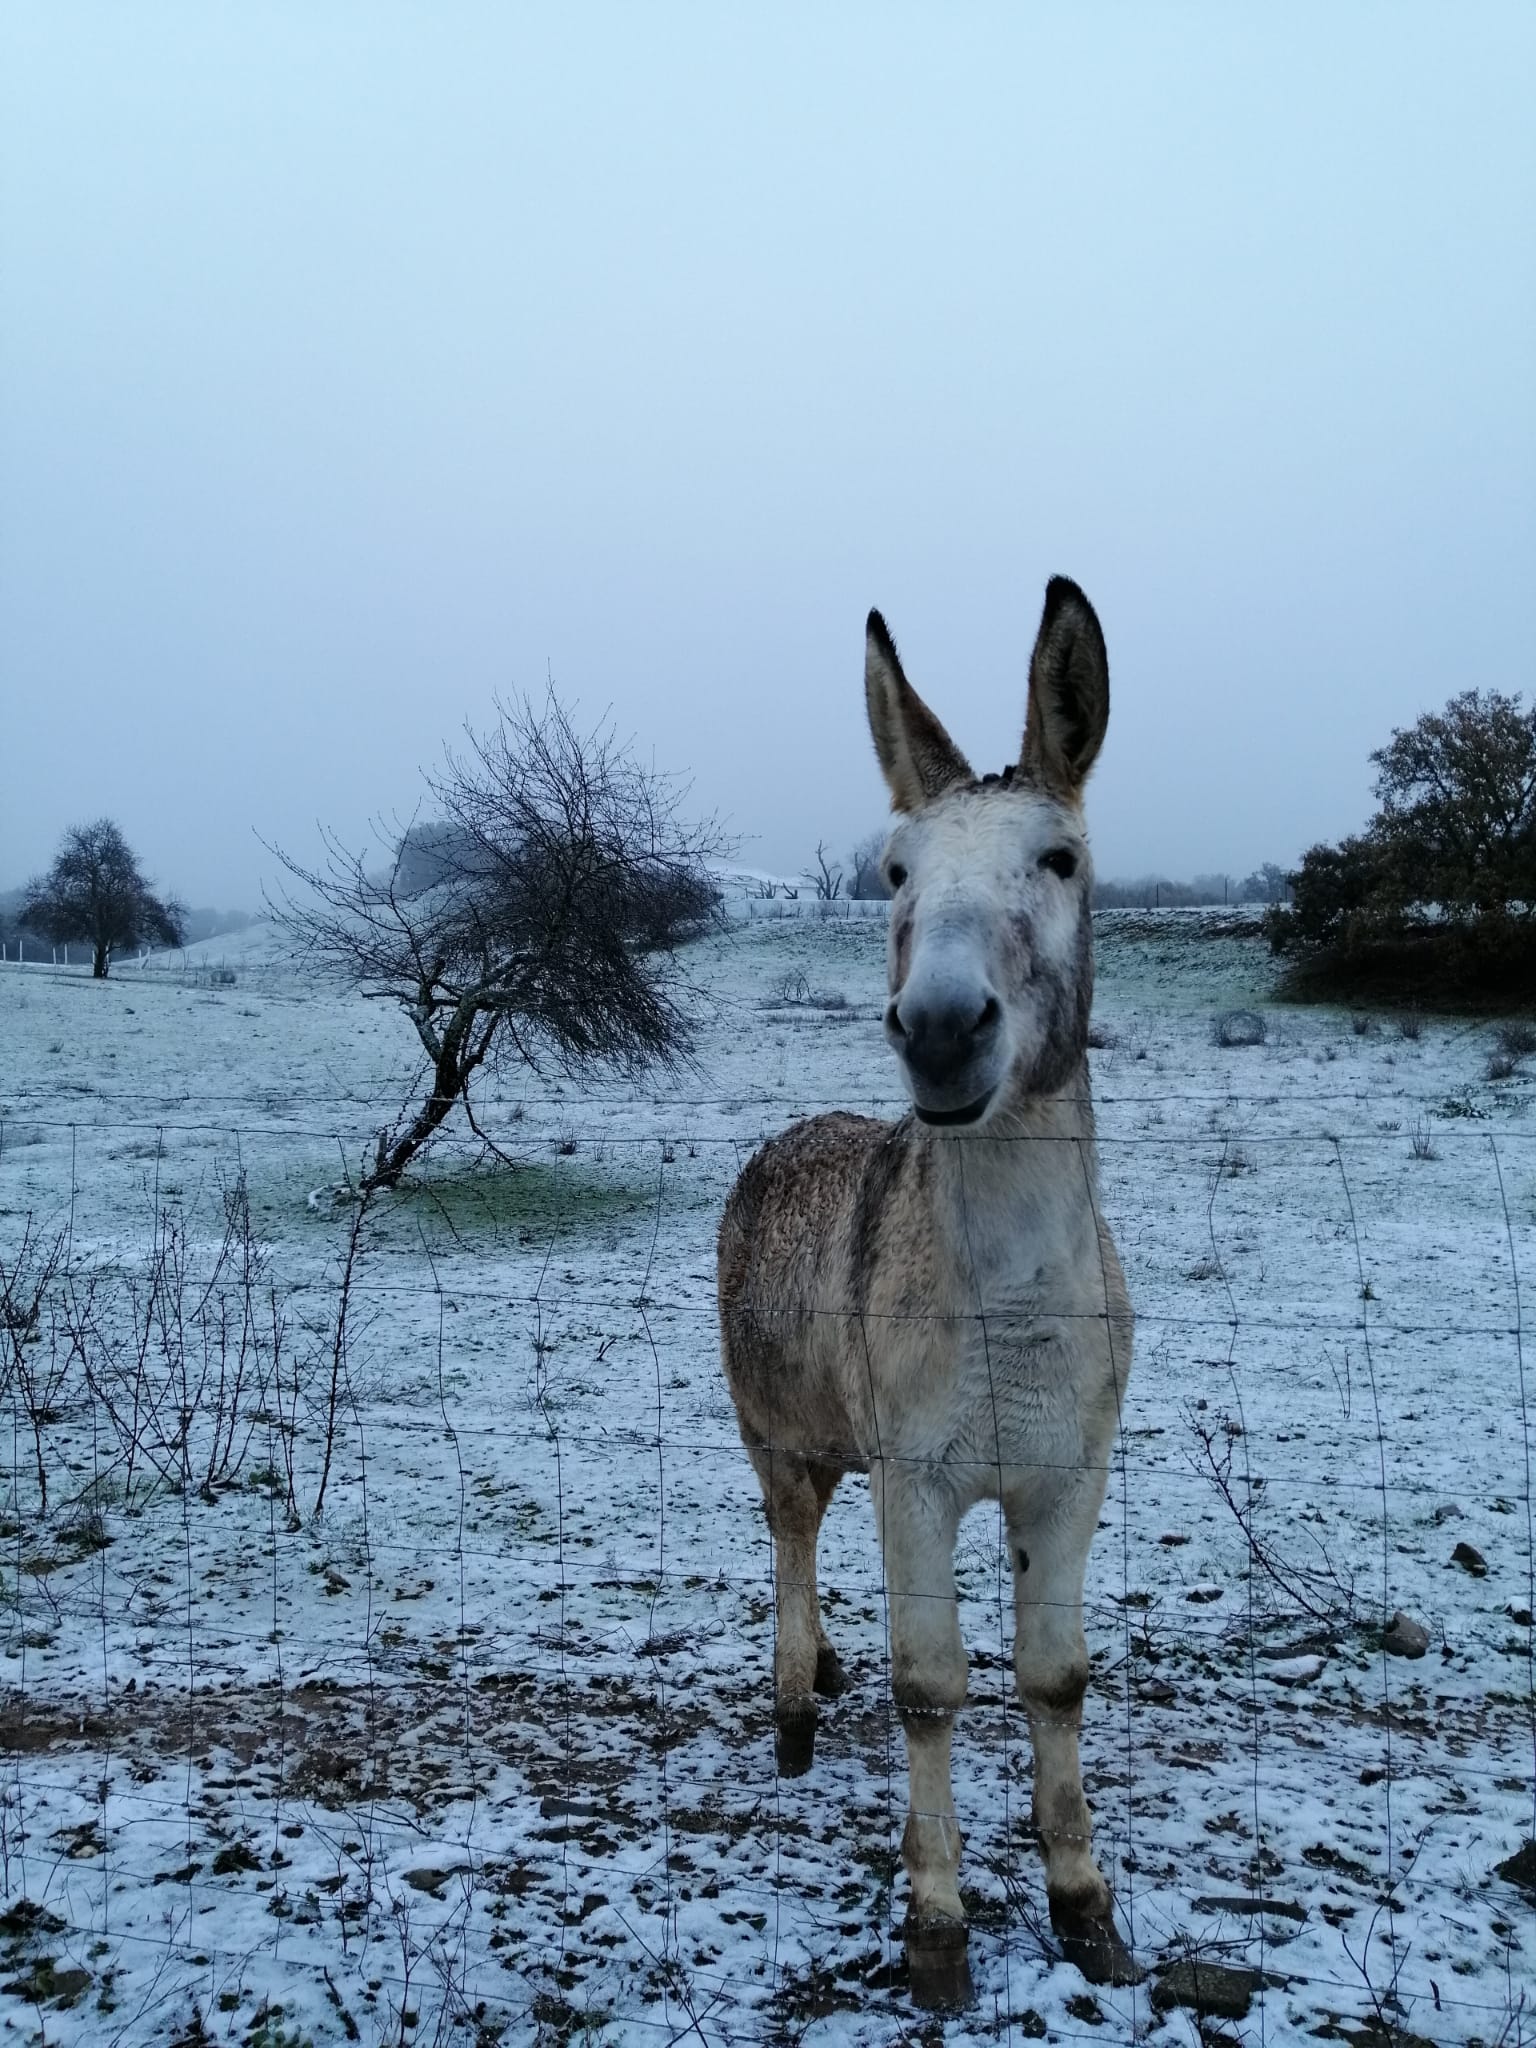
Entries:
{"x":1404,"y":1637}
{"x":1520,"y":1869}
{"x":1158,"y":1692}
{"x":1207,"y":1988}
{"x":1294,"y":1670}
{"x":1470,"y":1560}
{"x":1448,"y":1512}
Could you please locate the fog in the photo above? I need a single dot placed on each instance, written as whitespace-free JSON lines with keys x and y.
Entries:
{"x":360,"y":362}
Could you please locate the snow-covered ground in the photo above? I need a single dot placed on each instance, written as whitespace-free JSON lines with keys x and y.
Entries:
{"x":484,"y":1751}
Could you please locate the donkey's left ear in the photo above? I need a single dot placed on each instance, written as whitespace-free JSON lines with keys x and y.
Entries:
{"x":1068,"y":692}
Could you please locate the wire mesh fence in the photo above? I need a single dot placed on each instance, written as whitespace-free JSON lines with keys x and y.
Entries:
{"x":389,"y":1603}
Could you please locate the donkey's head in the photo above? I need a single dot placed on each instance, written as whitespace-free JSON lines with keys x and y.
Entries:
{"x":991,"y":962}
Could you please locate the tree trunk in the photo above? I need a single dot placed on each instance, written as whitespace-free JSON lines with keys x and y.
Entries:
{"x":394,"y":1157}
{"x":100,"y":957}
{"x":458,"y":1056}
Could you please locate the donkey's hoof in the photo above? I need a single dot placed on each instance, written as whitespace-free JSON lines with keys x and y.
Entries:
{"x":1092,"y":1942}
{"x":938,"y":1965}
{"x":795,"y":1735}
{"x":831,"y":1679}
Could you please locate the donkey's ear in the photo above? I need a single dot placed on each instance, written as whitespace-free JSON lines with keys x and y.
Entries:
{"x":918,"y":757}
{"x":1068,"y":692}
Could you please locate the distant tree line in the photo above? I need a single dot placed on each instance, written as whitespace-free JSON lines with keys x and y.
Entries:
{"x":1436,"y":899}
{"x":1266,"y":885}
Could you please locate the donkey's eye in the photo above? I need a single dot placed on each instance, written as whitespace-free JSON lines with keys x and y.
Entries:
{"x":895,"y":874}
{"x":1061,"y":860}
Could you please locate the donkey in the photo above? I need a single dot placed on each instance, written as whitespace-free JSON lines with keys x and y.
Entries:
{"x":938,"y":1302}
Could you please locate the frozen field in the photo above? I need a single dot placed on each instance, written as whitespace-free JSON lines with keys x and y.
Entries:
{"x":483,"y":1751}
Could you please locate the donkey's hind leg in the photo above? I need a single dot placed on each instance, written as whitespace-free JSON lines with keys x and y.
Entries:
{"x":794,"y":1516}
{"x":831,"y":1679}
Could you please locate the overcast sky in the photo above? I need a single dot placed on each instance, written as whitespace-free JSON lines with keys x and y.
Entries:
{"x":360,"y":361}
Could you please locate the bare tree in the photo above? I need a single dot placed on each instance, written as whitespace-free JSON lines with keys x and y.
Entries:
{"x":96,"y":892}
{"x":865,"y":881}
{"x":825,"y":879}
{"x":559,"y":880}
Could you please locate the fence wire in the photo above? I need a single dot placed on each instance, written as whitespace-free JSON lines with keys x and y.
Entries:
{"x":390,"y":1606}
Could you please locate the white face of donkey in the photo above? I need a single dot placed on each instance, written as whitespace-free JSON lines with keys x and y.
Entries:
{"x":991,"y":964}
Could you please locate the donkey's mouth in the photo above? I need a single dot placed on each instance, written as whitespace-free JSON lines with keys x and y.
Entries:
{"x":968,"y":1115}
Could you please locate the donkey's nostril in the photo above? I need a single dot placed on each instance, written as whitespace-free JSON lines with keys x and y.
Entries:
{"x":991,"y":1016}
{"x":893,"y":1022}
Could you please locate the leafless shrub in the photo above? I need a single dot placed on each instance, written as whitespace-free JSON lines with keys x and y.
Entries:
{"x":24,"y":1283}
{"x":1410,"y":1025}
{"x":34,"y":1369}
{"x":793,"y":991}
{"x":1101,"y":1038}
{"x":178,"y":1366}
{"x":183,"y":1366}
{"x":1500,"y":1067}
{"x":1362,"y":1025}
{"x":1421,"y":1140}
{"x":1323,"y":1592}
{"x":1516,"y":1041}
{"x":1239,"y":1027}
{"x":1389,"y":2012}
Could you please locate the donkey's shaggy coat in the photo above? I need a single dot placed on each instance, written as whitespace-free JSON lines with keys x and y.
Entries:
{"x":938,"y":1302}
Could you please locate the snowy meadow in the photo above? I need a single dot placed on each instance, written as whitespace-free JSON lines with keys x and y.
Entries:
{"x":387,"y":1597}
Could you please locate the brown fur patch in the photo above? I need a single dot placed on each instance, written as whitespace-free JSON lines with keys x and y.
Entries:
{"x":877,"y":1185}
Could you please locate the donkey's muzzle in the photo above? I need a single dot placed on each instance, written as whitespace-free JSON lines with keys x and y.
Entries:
{"x":948,"y":1046}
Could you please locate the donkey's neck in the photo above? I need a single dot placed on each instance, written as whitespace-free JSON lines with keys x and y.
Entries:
{"x":1016,"y":1207}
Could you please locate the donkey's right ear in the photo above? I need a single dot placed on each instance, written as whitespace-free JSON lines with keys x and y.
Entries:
{"x":917,"y":756}
{"x":1068,"y":693}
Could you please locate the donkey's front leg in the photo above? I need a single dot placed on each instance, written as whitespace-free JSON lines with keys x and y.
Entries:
{"x":1051,"y":1523}
{"x":918,"y":1524}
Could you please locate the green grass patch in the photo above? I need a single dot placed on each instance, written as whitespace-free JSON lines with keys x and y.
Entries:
{"x":524,"y":1202}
